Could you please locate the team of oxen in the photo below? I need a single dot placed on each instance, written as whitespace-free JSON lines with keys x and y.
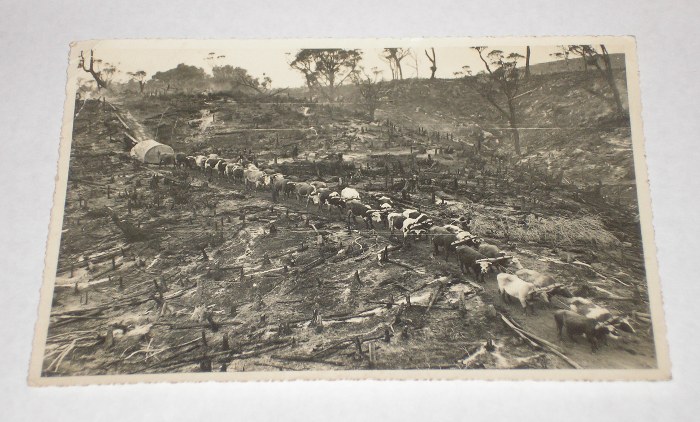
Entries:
{"x":475,"y":256}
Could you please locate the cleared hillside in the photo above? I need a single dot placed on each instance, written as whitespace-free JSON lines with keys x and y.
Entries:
{"x":567,"y":122}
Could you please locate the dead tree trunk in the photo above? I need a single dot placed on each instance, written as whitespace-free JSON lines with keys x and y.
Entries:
{"x":90,"y":68}
{"x":610,"y":78}
{"x":514,"y":127}
{"x":433,"y":65}
{"x":527,"y":63}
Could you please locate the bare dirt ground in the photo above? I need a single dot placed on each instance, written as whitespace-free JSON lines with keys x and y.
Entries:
{"x":167,"y":270}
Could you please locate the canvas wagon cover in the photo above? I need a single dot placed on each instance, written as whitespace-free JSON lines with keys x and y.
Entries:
{"x":150,"y":151}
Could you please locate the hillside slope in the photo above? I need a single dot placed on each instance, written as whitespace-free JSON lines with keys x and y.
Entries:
{"x":567,"y":122}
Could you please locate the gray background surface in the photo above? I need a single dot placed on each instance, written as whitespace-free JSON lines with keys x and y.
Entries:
{"x":34,"y":38}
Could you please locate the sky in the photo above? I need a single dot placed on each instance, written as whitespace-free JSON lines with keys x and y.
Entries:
{"x":273,"y":58}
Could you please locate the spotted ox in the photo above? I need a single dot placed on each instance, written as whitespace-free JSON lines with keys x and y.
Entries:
{"x":200,"y":161}
{"x":416,"y":226}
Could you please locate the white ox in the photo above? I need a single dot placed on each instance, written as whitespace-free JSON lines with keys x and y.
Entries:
{"x":349,"y":194}
{"x":510,"y":285}
{"x":255,"y":177}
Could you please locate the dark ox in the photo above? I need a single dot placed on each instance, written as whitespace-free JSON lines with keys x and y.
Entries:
{"x":279,"y":186}
{"x":578,"y":325}
{"x":181,"y":160}
{"x":330,"y":198}
{"x":238,"y":173}
{"x":166,"y":159}
{"x":442,"y":238}
{"x":358,"y":209}
{"x":470,"y":261}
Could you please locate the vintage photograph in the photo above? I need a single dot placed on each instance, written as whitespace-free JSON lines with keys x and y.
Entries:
{"x":348,"y":209}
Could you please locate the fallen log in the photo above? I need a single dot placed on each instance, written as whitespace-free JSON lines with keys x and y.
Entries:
{"x":231,"y":355}
{"x":379,"y":302}
{"x":543,"y":343}
{"x":165,"y":360}
{"x":433,"y":298}
{"x":129,"y":301}
{"x":312,"y":265}
{"x":474,"y":285}
{"x":342,"y":344}
{"x":131,"y":232}
{"x":265,"y":272}
{"x":305,"y":359}
{"x":610,"y":295}
{"x":494,"y":260}
{"x":341,"y":316}
{"x":518,"y":332}
{"x":174,"y":326}
{"x":67,"y":319}
{"x":401,"y":264}
{"x":617,"y":280}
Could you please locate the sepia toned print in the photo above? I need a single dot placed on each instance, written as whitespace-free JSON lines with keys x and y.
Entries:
{"x":340,"y":209}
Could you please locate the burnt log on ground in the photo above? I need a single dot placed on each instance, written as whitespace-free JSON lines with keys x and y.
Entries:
{"x":537,"y":341}
{"x":130,"y":231}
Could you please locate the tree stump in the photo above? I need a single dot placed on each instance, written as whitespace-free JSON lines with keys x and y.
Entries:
{"x":109,"y":338}
{"x":372,"y":354}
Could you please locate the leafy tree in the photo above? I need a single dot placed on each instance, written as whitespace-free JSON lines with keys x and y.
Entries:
{"x":370,"y":90}
{"x":101,"y":71}
{"x":238,"y":79}
{"x":326,"y":69}
{"x":499,"y":85}
{"x":393,"y":56}
{"x":601,"y":61}
{"x":183,"y":77}
{"x":465,"y":72}
{"x":139,"y":77}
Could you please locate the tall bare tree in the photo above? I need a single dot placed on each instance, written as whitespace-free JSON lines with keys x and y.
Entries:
{"x":413,"y":62}
{"x":527,"y":63}
{"x":433,"y":65}
{"x":600,"y":60}
{"x":499,"y":86}
{"x":101,"y":72}
{"x":370,"y":90}
{"x":394,"y":56}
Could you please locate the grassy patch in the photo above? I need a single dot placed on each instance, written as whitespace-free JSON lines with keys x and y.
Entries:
{"x":560,"y":231}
